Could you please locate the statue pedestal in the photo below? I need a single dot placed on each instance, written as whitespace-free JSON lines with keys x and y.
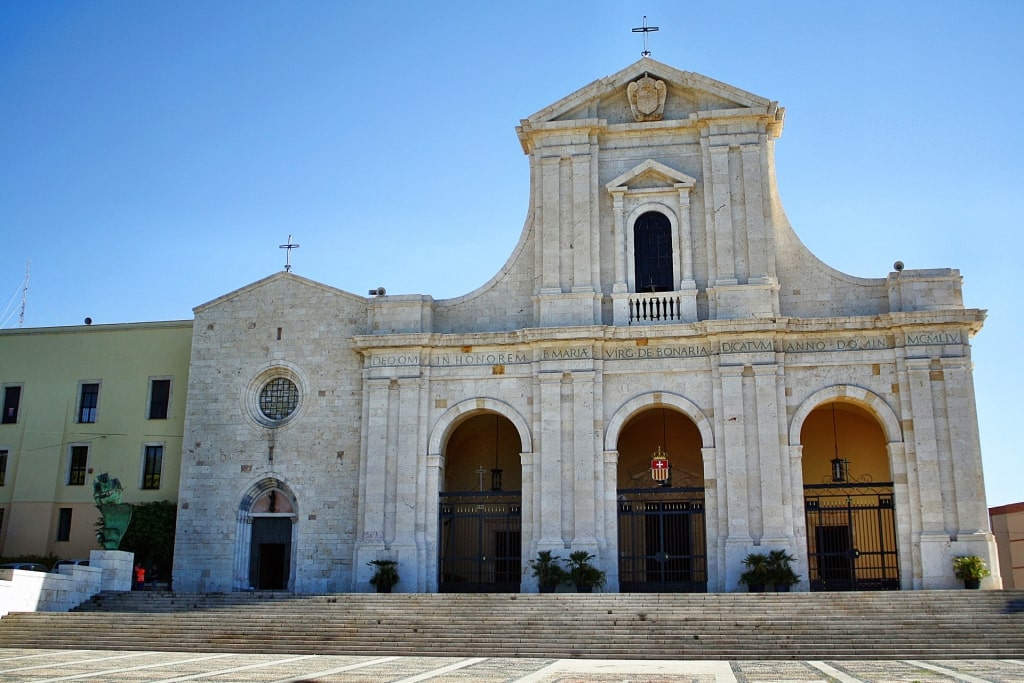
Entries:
{"x":117,"y":568}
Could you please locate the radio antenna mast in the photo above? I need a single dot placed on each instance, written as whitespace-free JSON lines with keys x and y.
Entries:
{"x":24,"y":294}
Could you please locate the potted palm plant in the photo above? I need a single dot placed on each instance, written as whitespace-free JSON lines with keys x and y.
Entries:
{"x":548,"y":570}
{"x":971,"y":570}
{"x":583,"y":574}
{"x":756,"y":576}
{"x":386,"y":575}
{"x":780,"y":571}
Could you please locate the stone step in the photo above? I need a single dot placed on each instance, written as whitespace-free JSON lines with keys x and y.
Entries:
{"x":927,"y":624}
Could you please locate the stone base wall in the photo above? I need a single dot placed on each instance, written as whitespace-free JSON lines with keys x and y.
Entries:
{"x":24,"y":591}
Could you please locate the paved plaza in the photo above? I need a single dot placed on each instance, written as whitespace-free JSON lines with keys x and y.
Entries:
{"x":37,"y":666}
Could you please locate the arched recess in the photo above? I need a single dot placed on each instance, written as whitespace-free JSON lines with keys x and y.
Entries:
{"x":265,"y":538}
{"x":465,"y":409}
{"x":845,"y":392}
{"x":658,"y":399}
{"x":662,"y":543}
{"x":849,"y":445}
{"x":479,"y":514}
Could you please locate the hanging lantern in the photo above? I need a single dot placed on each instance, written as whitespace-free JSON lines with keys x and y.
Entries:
{"x":497,"y":472}
{"x":840,"y":470}
{"x":840,"y":466}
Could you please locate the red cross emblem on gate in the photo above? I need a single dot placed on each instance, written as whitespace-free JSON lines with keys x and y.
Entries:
{"x":659,"y":466}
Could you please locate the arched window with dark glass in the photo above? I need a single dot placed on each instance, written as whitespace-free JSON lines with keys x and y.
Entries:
{"x":652,"y":247}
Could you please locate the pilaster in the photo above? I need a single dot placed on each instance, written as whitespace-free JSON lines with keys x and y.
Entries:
{"x":587,"y":475}
{"x":549,"y":466}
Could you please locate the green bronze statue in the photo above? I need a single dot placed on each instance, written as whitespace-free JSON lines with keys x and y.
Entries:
{"x":106,"y":491}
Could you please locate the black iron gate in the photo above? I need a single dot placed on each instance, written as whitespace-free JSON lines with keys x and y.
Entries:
{"x":662,"y":541}
{"x":851,"y":537}
{"x":480,"y":543}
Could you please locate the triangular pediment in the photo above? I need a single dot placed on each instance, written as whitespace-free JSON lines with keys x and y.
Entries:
{"x":281,"y":279}
{"x":647,"y":175}
{"x":688,"y":94}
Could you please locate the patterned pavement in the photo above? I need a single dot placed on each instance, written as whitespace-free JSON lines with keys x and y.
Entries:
{"x":51,"y":666}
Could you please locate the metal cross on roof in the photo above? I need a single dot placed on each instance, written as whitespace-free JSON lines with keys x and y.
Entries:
{"x":645,"y":29}
{"x":288,"y":253}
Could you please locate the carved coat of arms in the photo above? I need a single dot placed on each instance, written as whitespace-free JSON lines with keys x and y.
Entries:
{"x":647,"y":99}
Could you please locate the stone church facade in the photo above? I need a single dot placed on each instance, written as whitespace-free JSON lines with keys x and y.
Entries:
{"x":658,"y":305}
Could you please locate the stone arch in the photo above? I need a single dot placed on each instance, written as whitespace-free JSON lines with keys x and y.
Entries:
{"x":246,"y":515}
{"x":644,"y":207}
{"x":655,"y":206}
{"x":464,"y":409}
{"x":844,"y":392}
{"x":660,"y":399}
{"x":262,"y":487}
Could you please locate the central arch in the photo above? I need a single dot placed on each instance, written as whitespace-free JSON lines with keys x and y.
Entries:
{"x":662,"y":537}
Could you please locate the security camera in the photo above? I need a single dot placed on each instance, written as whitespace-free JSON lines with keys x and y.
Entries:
{"x":898,"y":266}
{"x":378,"y":292}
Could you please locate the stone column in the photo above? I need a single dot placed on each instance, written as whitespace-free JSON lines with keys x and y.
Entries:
{"x":434,"y":473}
{"x":586,"y":483}
{"x":243,"y":534}
{"x":373,"y":523}
{"x":684,"y":240}
{"x":758,"y":240}
{"x":581,"y":230}
{"x":773,"y":490}
{"x":549,"y":465}
{"x":715,"y":534}
{"x":721,"y":219}
{"x":549,"y":224}
{"x":528,"y":515}
{"x":925,"y":455}
{"x":965,"y":446}
{"x":734,"y":482}
{"x":406,"y":450}
{"x":619,"y":240}
{"x":609,"y":505}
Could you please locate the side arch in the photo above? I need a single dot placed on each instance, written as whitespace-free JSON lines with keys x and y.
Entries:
{"x":853,"y":394}
{"x":460,"y":411}
{"x":660,"y":399}
{"x":245,"y":516}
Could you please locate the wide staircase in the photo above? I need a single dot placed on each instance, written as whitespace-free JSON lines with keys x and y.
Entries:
{"x":909,"y":624}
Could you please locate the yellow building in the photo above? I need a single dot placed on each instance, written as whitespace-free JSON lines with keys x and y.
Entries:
{"x":79,"y":401}
{"x":1008,"y":528}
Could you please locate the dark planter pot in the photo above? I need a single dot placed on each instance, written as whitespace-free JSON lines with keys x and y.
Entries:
{"x":972,"y":584}
{"x":755,"y":587}
{"x":584,"y":589}
{"x":384,"y":589}
{"x":547,"y":589}
{"x":782,"y":588}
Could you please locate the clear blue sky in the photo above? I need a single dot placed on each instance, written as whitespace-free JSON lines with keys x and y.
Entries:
{"x":153,"y":155}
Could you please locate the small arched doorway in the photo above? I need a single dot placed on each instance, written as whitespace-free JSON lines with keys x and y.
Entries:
{"x":264,"y":549}
{"x":662,"y":537}
{"x":480,"y":510}
{"x":848,"y":500}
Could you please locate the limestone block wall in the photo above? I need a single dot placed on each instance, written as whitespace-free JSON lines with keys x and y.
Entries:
{"x":284,"y":324}
{"x":747,"y":388}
